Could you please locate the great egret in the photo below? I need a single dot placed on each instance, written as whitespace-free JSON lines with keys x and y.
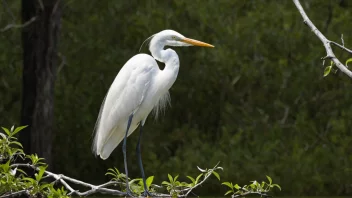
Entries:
{"x":139,"y":87}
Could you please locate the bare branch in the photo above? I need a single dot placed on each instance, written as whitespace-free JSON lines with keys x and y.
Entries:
{"x":62,"y":178}
{"x":342,"y":41}
{"x":12,"y":25}
{"x":324,"y":40}
{"x":341,"y":46}
{"x":207,"y":175}
{"x":18,"y":193}
{"x":251,"y":193}
{"x":102,"y":188}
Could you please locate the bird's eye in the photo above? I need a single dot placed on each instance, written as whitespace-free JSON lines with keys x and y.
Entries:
{"x":174,"y":37}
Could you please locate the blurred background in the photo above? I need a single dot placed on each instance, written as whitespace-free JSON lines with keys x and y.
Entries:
{"x":257,"y":102}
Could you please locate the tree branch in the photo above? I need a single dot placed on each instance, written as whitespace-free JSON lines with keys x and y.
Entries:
{"x":207,"y":175}
{"x":102,"y":188}
{"x":62,"y":179}
{"x":93,"y":188}
{"x":15,"y":194}
{"x":327,"y":43}
{"x":342,"y":47}
{"x":12,"y":25}
{"x":251,"y":193}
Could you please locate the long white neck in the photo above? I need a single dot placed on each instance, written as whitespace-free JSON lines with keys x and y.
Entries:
{"x":168,"y":56}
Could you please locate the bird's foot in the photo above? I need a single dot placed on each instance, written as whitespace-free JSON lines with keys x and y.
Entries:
{"x":128,"y":193}
{"x":146,"y":193}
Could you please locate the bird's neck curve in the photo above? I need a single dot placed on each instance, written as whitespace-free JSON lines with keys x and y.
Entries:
{"x":167,"y":56}
{"x":172,"y":64}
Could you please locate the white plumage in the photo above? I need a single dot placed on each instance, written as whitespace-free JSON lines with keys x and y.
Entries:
{"x":126,"y":96}
{"x":139,"y":87}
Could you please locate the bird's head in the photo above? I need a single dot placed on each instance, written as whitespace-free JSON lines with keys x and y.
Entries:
{"x":175,"y":39}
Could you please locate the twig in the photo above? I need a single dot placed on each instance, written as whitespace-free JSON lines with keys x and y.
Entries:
{"x":102,"y":188}
{"x":327,"y":43}
{"x":188,"y":190}
{"x":62,"y":178}
{"x":25,"y":191}
{"x":341,"y":46}
{"x":9,"y":26}
{"x":342,"y":41}
{"x":251,"y":193}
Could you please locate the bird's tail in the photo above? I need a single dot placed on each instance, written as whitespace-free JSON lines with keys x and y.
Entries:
{"x":97,"y":127}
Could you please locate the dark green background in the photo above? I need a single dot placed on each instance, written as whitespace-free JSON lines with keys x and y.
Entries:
{"x":257,"y":102}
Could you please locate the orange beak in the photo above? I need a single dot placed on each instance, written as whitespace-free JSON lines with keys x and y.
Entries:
{"x":196,"y":43}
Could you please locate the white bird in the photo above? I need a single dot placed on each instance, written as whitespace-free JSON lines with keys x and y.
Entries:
{"x":139,"y":87}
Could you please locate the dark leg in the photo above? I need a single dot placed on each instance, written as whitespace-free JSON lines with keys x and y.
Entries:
{"x":128,"y":191}
{"x":138,"y":150}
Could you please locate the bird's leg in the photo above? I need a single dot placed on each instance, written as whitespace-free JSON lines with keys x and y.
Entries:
{"x":128,"y":190}
{"x":138,"y":151}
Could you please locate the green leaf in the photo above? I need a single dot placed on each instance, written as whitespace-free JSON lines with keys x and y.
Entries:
{"x":327,"y":70}
{"x":237,"y":186}
{"x":149,"y":181}
{"x":170,"y":178}
{"x":45,"y":186}
{"x":3,"y":135}
{"x":6,"y":131}
{"x":253,"y":186}
{"x":135,"y":180}
{"x":21,"y":171}
{"x":192,"y":179}
{"x":166,"y":183}
{"x":228,"y":192}
{"x":200,"y":175}
{"x":177,"y":183}
{"x":186,"y":184}
{"x":39,"y":176}
{"x":17,"y":143}
{"x":6,"y":166}
{"x":175,"y":178}
{"x":29,"y":179}
{"x":270,"y":180}
{"x":275,"y":185}
{"x":18,"y":129}
{"x":216,"y":175}
{"x":109,"y":173}
{"x":227,"y":184}
{"x":348,"y":60}
{"x":263,"y":184}
{"x":256,"y":184}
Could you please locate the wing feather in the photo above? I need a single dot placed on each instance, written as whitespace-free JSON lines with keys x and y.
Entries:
{"x":124,"y":97}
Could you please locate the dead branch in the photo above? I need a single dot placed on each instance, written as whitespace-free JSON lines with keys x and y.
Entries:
{"x":327,"y":43}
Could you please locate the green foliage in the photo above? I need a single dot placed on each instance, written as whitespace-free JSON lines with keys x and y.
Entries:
{"x":328,"y":69}
{"x":136,"y":185}
{"x":347,"y":61}
{"x":173,"y":186}
{"x":9,"y":146}
{"x":254,"y":188}
{"x":13,"y":178}
{"x":176,"y":188}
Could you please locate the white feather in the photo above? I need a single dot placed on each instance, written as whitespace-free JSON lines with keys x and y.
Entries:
{"x":139,"y":87}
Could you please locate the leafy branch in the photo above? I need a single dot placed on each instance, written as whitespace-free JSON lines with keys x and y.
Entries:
{"x":15,"y":181}
{"x":254,"y":188}
{"x":182,"y":189}
{"x":327,"y":44}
